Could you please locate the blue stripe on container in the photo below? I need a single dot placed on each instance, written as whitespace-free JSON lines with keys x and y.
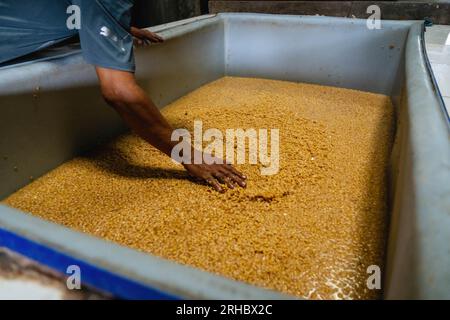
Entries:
{"x":96,"y":277}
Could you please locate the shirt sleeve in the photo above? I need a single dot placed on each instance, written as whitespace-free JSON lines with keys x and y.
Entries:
{"x":105,"y":33}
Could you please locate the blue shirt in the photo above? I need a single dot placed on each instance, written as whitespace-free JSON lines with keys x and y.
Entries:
{"x":103,"y":26}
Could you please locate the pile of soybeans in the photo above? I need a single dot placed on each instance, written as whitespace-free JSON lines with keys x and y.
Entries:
{"x":311,"y":230}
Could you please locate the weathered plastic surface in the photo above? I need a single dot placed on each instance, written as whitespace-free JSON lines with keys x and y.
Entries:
{"x":51,"y":111}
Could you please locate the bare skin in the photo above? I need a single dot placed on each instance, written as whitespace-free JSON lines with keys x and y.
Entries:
{"x":143,"y":37}
{"x":121,"y":91}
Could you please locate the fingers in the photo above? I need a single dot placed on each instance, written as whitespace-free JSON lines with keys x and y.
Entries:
{"x":213,"y":183}
{"x":235,"y":175}
{"x":145,"y":37}
{"x":152,"y":37}
{"x":158,"y":37}
{"x":226,"y":177}
{"x":217,"y":176}
{"x":223,"y":179}
{"x":138,"y":42}
{"x":241,"y":182}
{"x":236,"y":172}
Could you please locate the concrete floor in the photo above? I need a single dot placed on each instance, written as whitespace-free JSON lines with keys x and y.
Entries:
{"x":437,"y":39}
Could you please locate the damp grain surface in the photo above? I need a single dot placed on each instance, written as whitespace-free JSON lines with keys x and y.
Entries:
{"x":311,"y":230}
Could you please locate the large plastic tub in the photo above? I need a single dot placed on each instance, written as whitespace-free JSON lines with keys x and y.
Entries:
{"x":51,"y":110}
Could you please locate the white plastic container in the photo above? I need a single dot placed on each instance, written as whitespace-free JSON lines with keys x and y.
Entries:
{"x":51,"y":110}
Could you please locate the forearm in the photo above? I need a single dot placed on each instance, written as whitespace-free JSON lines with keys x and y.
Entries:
{"x":121,"y":91}
{"x":144,"y":118}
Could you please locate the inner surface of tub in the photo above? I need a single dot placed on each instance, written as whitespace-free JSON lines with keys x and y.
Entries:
{"x":311,"y":230}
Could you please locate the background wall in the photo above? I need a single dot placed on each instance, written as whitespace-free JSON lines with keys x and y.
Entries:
{"x":153,"y":12}
{"x":438,"y":11}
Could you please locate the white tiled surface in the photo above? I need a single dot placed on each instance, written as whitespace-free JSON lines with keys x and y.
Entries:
{"x":439,"y":55}
{"x":442,"y":74}
{"x":437,"y":34}
{"x":21,"y":289}
{"x":447,"y":103}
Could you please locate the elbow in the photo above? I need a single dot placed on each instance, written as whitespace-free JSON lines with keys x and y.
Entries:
{"x":118,"y":88}
{"x":122,"y":97}
{"x":113,"y":97}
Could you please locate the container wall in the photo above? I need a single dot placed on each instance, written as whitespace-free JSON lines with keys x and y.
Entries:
{"x":46,"y":119}
{"x":323,"y":50}
{"x":52,"y":110}
{"x":192,"y":56}
{"x":418,"y":256}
